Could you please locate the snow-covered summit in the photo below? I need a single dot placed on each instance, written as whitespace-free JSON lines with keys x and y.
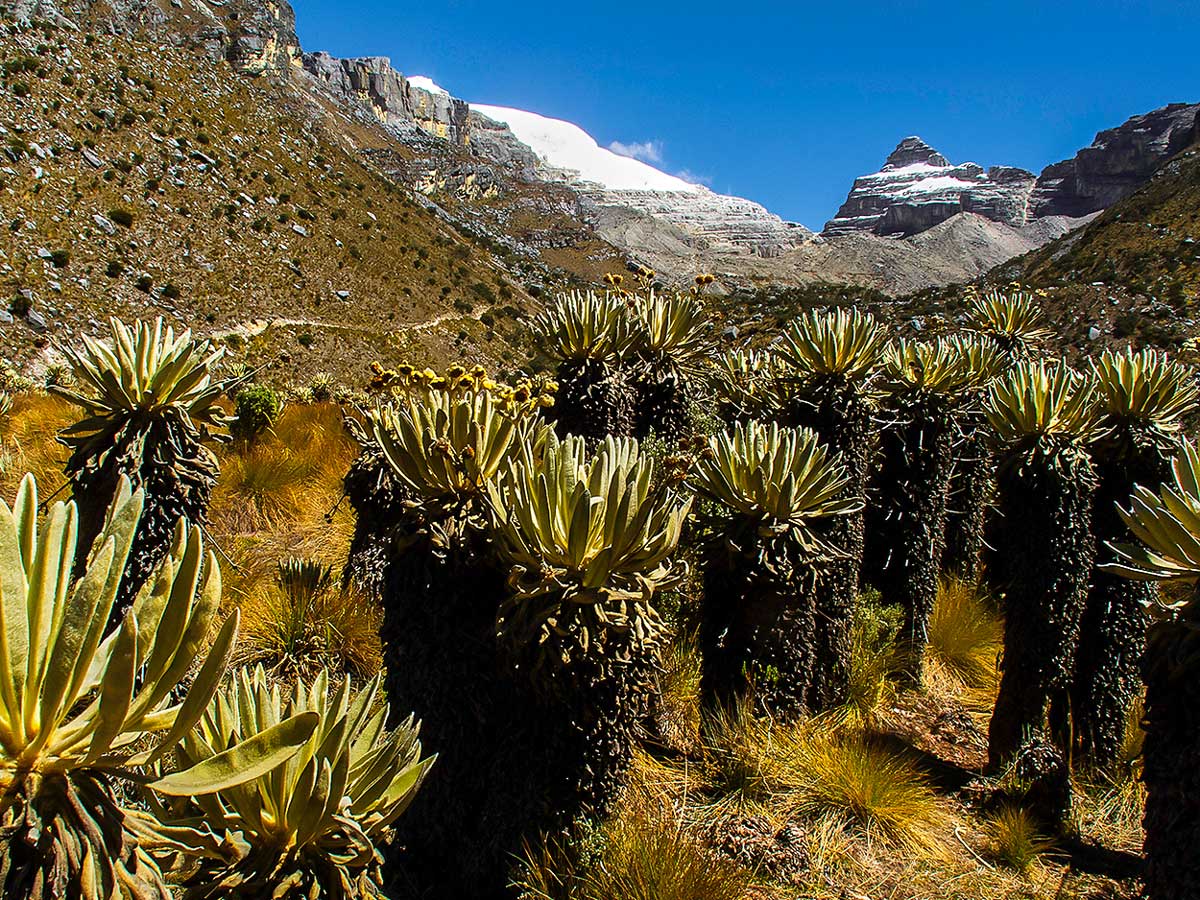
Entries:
{"x":564,"y":145}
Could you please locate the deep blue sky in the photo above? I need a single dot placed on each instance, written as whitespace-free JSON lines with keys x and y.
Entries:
{"x":787,"y":102}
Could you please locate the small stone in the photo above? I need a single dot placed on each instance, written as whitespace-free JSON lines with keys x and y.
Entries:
{"x":104,"y":224}
{"x":1093,"y":333}
{"x":36,"y":320}
{"x":92,"y":159}
{"x":343,"y":295}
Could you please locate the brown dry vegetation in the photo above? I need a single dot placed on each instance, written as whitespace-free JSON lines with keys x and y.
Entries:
{"x":142,"y":183}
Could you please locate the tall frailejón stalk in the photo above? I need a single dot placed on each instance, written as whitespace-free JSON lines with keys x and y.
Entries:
{"x":1013,"y":322}
{"x":150,"y":406}
{"x":928,"y":387}
{"x":1043,"y":414}
{"x":771,"y":487}
{"x":589,"y":337}
{"x":589,"y":539}
{"x":672,"y":341}
{"x":1165,"y":524}
{"x":444,"y":439}
{"x":825,"y":383}
{"x":1143,"y":399}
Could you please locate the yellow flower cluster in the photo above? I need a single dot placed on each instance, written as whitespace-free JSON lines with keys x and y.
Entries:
{"x":524,"y":396}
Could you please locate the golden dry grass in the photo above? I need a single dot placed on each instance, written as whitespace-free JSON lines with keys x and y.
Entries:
{"x":966,"y":634}
{"x":27,"y":442}
{"x":1016,"y":839}
{"x":277,"y":499}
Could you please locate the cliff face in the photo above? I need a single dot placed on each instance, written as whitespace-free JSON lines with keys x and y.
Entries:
{"x":373,"y":81}
{"x":1118,"y":162}
{"x":918,"y":188}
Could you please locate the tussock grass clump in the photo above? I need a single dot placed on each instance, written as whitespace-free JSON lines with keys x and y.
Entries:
{"x":677,"y":716}
{"x":266,"y":487}
{"x":821,"y":768}
{"x":303,"y":622}
{"x":965,"y":634}
{"x":650,"y":857}
{"x":643,"y":852}
{"x":877,"y":790}
{"x":27,"y":440}
{"x":738,"y":753}
{"x":1016,"y":838}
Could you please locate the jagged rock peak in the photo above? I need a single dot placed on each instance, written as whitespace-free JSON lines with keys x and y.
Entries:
{"x":914,"y":150}
{"x":917,"y":188}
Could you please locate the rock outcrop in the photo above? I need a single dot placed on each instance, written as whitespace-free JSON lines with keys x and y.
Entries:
{"x":918,"y":188}
{"x":1119,"y":161}
{"x":372,"y":81}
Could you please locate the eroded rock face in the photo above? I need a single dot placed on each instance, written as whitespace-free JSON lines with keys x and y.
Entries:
{"x":372,"y":81}
{"x":1118,"y":162}
{"x":918,"y":188}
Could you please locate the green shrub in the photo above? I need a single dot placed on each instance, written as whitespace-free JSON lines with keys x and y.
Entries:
{"x":257,"y":407}
{"x":60,"y":258}
{"x":20,"y":305}
{"x":122,"y":217}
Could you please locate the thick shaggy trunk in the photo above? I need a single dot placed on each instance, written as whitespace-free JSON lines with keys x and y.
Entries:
{"x":758,"y":631}
{"x":1113,"y":636}
{"x":1046,"y":504}
{"x":376,"y":499}
{"x":662,"y":405}
{"x":1172,"y":762}
{"x":176,"y":472}
{"x":439,"y":608}
{"x":520,"y":753}
{"x":907,"y":525}
{"x":841,"y":416}
{"x":594,"y":400}
{"x":968,"y":501}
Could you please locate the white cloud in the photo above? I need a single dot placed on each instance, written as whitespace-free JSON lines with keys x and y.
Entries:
{"x":646,"y":151}
{"x":692,"y":178}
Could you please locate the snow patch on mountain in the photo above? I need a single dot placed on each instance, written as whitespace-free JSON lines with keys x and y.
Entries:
{"x":425,"y":83}
{"x":564,"y":145}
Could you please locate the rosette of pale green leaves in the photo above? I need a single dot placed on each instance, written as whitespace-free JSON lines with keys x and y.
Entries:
{"x":674,"y":328}
{"x":145,"y":372}
{"x":781,"y":479}
{"x":444,"y":446}
{"x":1013,"y":319}
{"x":312,"y":827}
{"x":743,"y":382}
{"x":584,"y":325}
{"x":1037,"y":401}
{"x":944,"y":366}
{"x":589,"y":538}
{"x":78,"y":709}
{"x":1167,"y":523}
{"x":844,"y":342}
{"x":1144,"y":390}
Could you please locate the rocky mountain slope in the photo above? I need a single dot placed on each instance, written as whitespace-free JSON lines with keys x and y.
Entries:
{"x":430,"y":222}
{"x":1117,"y":163}
{"x":138,"y":183}
{"x":917,"y":187}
